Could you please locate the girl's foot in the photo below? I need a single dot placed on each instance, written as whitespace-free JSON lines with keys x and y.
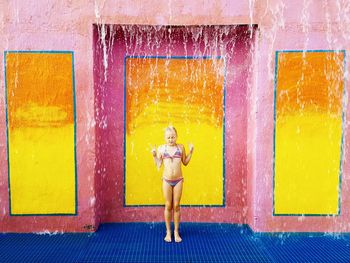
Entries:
{"x":177,"y":237}
{"x":167,"y":237}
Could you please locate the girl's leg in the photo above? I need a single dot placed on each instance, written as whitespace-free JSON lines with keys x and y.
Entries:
{"x":177,"y":192}
{"x":168,"y":196}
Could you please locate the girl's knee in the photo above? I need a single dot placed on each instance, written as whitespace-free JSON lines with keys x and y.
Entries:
{"x":176,"y":207}
{"x":168,"y":206}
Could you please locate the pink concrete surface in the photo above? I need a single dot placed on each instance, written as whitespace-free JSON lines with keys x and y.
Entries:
{"x":31,"y":26}
{"x":290,"y":28}
{"x":262,"y":174}
{"x":109,"y":95}
{"x":68,"y":25}
{"x":289,"y":25}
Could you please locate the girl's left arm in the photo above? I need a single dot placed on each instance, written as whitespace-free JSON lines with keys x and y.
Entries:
{"x":186,"y":158}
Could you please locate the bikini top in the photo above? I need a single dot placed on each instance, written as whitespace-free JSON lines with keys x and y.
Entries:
{"x":177,"y":154}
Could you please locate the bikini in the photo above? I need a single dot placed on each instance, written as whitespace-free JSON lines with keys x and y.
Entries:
{"x":177,"y":154}
{"x":173,"y":182}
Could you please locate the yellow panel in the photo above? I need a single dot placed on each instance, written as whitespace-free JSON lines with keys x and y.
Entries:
{"x":308,"y":133}
{"x":168,"y":95}
{"x":40,"y":110}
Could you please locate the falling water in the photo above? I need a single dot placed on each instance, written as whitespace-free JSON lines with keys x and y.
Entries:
{"x":214,"y":41}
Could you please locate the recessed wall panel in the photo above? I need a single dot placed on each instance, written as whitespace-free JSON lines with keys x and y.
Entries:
{"x":41,"y":132}
{"x":308,"y":132}
{"x":188,"y":94}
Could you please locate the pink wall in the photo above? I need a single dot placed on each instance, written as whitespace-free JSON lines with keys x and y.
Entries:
{"x":67,"y":25}
{"x":290,"y":25}
{"x":34,"y":26}
{"x":110,"y":109}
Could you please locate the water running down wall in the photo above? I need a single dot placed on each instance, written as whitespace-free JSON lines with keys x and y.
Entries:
{"x":289,"y":34}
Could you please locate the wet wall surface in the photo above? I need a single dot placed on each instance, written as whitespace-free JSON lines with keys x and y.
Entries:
{"x":112,"y":44}
{"x":301,"y":26}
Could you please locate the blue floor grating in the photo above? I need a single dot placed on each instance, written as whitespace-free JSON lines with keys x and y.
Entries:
{"x":202,"y":242}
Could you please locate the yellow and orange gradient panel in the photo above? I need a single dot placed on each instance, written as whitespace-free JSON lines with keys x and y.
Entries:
{"x":308,"y":132}
{"x":185,"y":93}
{"x":41,"y":132}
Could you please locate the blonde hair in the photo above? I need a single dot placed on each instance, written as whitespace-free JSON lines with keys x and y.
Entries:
{"x":170,"y":128}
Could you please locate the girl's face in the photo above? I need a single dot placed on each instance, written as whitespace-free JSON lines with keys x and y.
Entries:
{"x":170,"y":137}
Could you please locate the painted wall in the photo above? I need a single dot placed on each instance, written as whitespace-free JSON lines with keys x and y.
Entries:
{"x":68,"y":26}
{"x":225,"y":204}
{"x":43,"y":27}
{"x":39,"y":111}
{"x":294,"y":25}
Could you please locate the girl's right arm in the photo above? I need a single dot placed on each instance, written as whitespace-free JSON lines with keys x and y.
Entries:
{"x":157,"y":157}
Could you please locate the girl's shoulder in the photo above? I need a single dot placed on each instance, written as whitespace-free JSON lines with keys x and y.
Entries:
{"x":181,"y":146}
{"x":161,"y":148}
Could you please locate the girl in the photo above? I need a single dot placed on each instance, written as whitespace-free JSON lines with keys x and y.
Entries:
{"x":171,"y":155}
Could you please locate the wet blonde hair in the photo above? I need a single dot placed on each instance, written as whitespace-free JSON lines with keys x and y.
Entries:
{"x":170,"y":128}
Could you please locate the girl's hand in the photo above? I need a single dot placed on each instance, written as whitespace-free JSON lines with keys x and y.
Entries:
{"x":191,"y":147}
{"x":154,"y":151}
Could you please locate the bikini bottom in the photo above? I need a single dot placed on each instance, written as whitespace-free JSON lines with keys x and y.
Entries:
{"x":173,"y":182}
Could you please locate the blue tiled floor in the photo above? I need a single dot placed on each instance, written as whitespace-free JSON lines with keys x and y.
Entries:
{"x":143,"y":242}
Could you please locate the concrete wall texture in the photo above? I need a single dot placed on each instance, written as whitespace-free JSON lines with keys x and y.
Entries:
{"x":83,"y":28}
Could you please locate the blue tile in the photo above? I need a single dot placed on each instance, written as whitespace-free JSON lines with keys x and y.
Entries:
{"x":202,"y":242}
